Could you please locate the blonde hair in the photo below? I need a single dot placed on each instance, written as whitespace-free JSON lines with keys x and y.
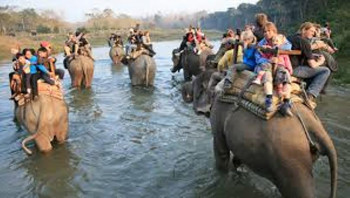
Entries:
{"x":306,"y":26}
{"x":248,"y":35}
{"x":270,"y":26}
{"x":279,"y":39}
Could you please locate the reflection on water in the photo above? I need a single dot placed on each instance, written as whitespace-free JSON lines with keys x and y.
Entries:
{"x":129,"y":141}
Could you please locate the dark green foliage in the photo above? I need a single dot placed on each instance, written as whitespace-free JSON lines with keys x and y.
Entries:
{"x":288,"y":15}
{"x":42,"y":29}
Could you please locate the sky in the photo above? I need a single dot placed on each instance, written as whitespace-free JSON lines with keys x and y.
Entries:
{"x":74,"y":10}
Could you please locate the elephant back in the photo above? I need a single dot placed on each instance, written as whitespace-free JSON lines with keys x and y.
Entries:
{"x":142,"y":70}
{"x":116,"y":52}
{"x":252,"y":96}
{"x":45,"y":114}
{"x":81,"y":70}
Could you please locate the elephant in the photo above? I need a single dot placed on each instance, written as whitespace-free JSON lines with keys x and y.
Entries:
{"x":192,"y":63}
{"x":81,"y":70}
{"x":142,"y":70}
{"x":277,"y":149}
{"x":117,"y":54}
{"x":45,"y":118}
{"x":200,"y":91}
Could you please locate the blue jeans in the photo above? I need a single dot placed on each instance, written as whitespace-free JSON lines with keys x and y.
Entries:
{"x":318,"y":77}
{"x":233,"y":69}
{"x":129,"y":48}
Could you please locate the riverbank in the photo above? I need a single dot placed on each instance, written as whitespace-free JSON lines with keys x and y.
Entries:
{"x":96,"y":39}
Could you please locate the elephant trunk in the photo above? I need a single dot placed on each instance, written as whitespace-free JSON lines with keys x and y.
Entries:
{"x":333,"y":163}
{"x":327,"y":148}
{"x":29,"y":138}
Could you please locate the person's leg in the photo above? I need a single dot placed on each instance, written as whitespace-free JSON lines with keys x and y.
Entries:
{"x":285,"y":108}
{"x":67,"y":50}
{"x":47,"y":79}
{"x":23,"y":84}
{"x":329,"y":42}
{"x":10,"y":78}
{"x":231,"y":73}
{"x":268,"y":89}
{"x":330,"y":62}
{"x":60,"y":73}
{"x":318,"y":75}
{"x":28,"y":76}
{"x":182,"y":45}
{"x":34,"y":84}
{"x":127,"y":49}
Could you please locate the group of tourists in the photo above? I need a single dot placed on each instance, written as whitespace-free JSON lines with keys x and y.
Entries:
{"x":115,"y":40}
{"x":30,"y":65}
{"x":257,"y":51}
{"x":138,"y":41}
{"x":77,"y":44}
{"x":194,"y":39}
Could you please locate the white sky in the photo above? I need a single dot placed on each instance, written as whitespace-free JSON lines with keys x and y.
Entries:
{"x":73,"y":10}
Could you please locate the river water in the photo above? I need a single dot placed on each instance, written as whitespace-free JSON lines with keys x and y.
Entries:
{"x":143,"y":142}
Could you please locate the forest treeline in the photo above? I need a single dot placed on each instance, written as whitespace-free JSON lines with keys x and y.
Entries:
{"x":288,"y":15}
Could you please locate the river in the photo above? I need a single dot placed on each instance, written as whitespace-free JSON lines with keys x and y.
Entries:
{"x":129,"y":141}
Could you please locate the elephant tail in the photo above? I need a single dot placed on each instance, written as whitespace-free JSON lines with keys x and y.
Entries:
{"x":29,"y":138}
{"x":147,"y":72}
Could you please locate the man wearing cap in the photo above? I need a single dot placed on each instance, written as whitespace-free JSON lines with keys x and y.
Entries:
{"x":227,"y":59}
{"x":52,"y":60}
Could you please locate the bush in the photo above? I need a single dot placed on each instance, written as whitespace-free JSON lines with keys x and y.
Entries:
{"x":42,"y":29}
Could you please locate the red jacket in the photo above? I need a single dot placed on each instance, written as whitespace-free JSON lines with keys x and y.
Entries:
{"x":190,"y":37}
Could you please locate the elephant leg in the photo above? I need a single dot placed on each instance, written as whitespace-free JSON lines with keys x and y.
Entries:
{"x":187,"y":75}
{"x":221,"y":152}
{"x":43,"y":143}
{"x":61,"y":136}
{"x":296,"y":183}
{"x":236,"y":162}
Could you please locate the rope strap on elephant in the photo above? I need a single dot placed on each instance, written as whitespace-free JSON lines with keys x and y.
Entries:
{"x":44,"y":89}
{"x":50,"y":90}
{"x":252,"y":97}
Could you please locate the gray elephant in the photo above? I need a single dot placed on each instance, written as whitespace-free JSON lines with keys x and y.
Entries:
{"x":45,"y":118}
{"x":142,"y":70}
{"x":276,"y":149}
{"x":191,"y":63}
{"x":199,"y":92}
{"x":116,"y":53}
{"x":81,"y":70}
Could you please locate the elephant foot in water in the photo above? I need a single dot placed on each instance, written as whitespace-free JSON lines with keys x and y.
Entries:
{"x":187,"y":92}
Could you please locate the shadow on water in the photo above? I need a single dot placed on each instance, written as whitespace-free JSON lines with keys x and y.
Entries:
{"x":52,"y":173}
{"x":115,"y":68}
{"x":143,"y":98}
{"x":83,"y":103}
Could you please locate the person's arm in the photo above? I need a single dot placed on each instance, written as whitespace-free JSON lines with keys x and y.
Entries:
{"x":52,"y":66}
{"x":240,"y":55}
{"x":222,"y":61}
{"x":42,"y":68}
{"x":259,"y":59}
{"x":316,"y":63}
{"x":307,"y":52}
